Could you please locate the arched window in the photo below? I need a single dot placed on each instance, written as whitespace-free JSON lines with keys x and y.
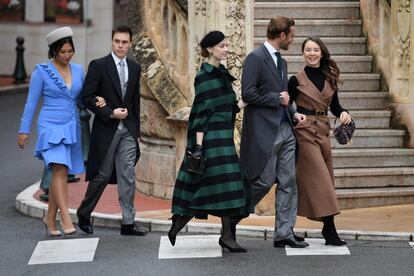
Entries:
{"x":173,"y":38}
{"x":183,"y":53}
{"x":164,"y":30}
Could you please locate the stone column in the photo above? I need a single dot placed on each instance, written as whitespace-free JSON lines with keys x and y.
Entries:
{"x":402,"y":65}
{"x":411,"y":54}
{"x":34,"y":11}
{"x":233,"y":18}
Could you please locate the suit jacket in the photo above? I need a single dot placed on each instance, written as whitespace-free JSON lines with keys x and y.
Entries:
{"x":261,"y":87}
{"x":102,"y":80}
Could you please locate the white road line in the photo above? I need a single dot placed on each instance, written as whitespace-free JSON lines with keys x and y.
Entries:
{"x":317,"y":247}
{"x":64,"y":251}
{"x":190,"y":246}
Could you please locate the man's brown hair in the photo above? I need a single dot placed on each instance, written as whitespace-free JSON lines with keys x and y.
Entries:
{"x":278,"y":25}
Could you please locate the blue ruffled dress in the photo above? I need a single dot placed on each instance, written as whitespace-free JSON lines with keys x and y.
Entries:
{"x":58,"y":125}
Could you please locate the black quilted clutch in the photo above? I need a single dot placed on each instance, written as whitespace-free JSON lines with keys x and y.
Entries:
{"x":343,"y":133}
{"x":195,"y":165}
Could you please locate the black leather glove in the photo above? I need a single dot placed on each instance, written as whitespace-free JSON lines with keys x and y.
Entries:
{"x":236,"y":109}
{"x":196,"y":160}
{"x":198,"y":151}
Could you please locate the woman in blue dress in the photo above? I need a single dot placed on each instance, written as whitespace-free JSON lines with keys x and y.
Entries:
{"x":58,"y":82}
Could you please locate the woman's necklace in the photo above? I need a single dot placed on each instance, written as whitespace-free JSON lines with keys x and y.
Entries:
{"x":64,"y":72}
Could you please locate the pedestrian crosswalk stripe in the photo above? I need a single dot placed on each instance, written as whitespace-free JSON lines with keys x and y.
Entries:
{"x":190,"y":246}
{"x":317,"y":247}
{"x":64,"y":251}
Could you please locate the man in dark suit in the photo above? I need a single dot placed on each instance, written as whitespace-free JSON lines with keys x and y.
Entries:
{"x":267,"y":151}
{"x":114,"y":148}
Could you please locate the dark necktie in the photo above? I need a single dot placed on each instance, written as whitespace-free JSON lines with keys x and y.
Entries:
{"x":279,"y":69}
{"x":279,"y":64}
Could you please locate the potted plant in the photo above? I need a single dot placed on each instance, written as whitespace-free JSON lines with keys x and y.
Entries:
{"x":11,"y":10}
{"x":68,"y":12}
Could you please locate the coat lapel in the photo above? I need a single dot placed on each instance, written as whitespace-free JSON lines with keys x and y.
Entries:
{"x":113,"y":74}
{"x":285,"y":75}
{"x":130,"y":83}
{"x":327,"y":92}
{"x":270,"y":63}
{"x":310,"y":90}
{"x":58,"y":79}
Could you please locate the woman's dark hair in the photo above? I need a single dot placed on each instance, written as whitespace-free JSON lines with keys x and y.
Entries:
{"x":57,"y":45}
{"x":122,"y":29}
{"x":204,"y":53}
{"x":328,"y":66}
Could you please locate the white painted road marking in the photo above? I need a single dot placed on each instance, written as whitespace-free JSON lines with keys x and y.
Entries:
{"x":190,"y":246}
{"x":64,"y":251}
{"x":317,"y":247}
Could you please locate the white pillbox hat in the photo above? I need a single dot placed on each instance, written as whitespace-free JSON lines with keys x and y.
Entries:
{"x":57,"y":34}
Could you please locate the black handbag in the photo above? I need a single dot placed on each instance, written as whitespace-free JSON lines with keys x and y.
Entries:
{"x":195,"y":164}
{"x":343,"y":133}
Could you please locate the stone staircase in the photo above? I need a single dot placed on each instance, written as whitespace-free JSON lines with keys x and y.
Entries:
{"x":376,"y":170}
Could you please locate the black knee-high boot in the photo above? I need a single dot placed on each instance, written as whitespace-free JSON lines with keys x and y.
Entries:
{"x":178,"y":222}
{"x":233,"y":224}
{"x":329,"y":232}
{"x":226,"y":240}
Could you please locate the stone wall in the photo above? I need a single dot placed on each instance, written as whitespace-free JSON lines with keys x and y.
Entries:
{"x":163,"y":129}
{"x":389,"y":29}
{"x":166,"y":45}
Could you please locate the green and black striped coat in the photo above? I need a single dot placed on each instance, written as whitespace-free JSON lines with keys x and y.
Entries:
{"x":221,"y":190}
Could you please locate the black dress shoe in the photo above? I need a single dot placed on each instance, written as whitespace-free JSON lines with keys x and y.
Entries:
{"x":298,"y":238}
{"x":290,"y":242}
{"x":133,"y":230}
{"x":84,"y":224}
{"x":86,"y":227}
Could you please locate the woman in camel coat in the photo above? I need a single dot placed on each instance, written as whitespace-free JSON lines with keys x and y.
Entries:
{"x":314,"y":89}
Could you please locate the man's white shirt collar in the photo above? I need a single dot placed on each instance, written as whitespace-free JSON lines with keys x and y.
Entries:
{"x":117,"y":59}
{"x":270,"y":48}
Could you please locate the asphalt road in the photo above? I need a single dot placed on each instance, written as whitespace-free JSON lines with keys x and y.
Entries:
{"x":120,"y":255}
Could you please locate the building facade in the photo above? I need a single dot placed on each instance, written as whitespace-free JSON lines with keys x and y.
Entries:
{"x":369,"y":39}
{"x":91,"y":21}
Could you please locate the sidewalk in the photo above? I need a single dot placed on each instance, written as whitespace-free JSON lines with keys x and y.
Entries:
{"x":391,"y":222}
{"x":7,"y":86}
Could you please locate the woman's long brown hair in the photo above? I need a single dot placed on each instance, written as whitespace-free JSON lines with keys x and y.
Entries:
{"x":328,"y":65}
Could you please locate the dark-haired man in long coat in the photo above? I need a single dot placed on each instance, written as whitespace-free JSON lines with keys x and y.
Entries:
{"x":267,"y":151}
{"x":114,"y":148}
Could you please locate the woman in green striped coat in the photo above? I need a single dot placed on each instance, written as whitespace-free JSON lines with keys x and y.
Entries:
{"x":220,"y":190}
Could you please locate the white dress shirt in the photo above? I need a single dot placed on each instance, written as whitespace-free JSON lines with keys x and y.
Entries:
{"x":272,"y":52}
{"x":117,"y":60}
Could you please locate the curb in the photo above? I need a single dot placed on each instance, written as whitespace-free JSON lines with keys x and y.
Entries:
{"x":28,"y":205}
{"x":14,"y":89}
